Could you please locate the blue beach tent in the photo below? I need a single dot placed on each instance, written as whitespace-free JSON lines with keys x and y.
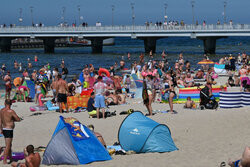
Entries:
{"x":141,"y":134}
{"x":73,"y":144}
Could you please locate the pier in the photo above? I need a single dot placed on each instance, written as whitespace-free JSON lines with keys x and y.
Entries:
{"x":149,"y":34}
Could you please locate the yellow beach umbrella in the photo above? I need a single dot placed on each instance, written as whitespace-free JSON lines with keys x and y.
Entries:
{"x":205,"y":61}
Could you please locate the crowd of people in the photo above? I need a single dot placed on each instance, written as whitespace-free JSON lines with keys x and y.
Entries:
{"x":113,"y":86}
{"x":159,"y":76}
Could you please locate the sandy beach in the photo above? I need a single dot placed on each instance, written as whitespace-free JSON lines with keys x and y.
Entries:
{"x":204,"y":137}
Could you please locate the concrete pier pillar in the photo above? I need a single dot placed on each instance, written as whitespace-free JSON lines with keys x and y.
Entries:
{"x":5,"y":44}
{"x":149,"y":44}
{"x":49,"y":45}
{"x":96,"y":45}
{"x":209,"y":44}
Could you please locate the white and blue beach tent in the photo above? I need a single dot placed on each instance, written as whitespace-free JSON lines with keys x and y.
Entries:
{"x":73,"y":144}
{"x":141,"y":134}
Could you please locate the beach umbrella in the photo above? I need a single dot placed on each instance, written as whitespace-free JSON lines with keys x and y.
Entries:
{"x":205,"y":61}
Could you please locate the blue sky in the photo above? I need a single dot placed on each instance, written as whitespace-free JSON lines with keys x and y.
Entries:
{"x":49,"y":12}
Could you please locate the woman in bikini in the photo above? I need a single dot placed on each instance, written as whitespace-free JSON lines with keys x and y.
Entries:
{"x":148,"y":95}
{"x":169,"y":86}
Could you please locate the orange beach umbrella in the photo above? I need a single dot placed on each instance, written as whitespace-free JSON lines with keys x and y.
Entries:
{"x":205,"y":61}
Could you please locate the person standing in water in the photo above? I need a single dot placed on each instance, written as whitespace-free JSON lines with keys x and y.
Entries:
{"x":7,"y":80}
{"x":36,"y":58}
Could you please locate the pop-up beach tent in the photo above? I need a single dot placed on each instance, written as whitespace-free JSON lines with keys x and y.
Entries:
{"x":141,"y":134}
{"x":73,"y":144}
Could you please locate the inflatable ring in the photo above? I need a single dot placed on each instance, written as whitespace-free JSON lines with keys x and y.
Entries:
{"x":37,"y":108}
{"x":105,"y":71}
{"x":17,"y":81}
{"x":40,"y":100}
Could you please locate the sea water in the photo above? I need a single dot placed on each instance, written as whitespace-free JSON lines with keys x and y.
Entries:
{"x":76,"y":58}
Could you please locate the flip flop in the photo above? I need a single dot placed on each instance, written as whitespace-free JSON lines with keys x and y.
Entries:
{"x":150,"y":115}
{"x":223,"y":164}
{"x":174,"y":112}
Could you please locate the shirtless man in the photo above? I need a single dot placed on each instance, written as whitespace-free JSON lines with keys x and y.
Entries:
{"x":61,"y":92}
{"x":29,"y":64}
{"x":7,"y":79}
{"x":86,"y":75}
{"x":53,"y":87}
{"x":141,"y":58}
{"x":199,"y":74}
{"x":151,"y":54}
{"x":34,"y":76}
{"x":31,"y":159}
{"x":189,"y":80}
{"x":7,"y":125}
{"x":112,"y":99}
{"x":244,"y":161}
{"x":15,"y":64}
{"x":163,"y":55}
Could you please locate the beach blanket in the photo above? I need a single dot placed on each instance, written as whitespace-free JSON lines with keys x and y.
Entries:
{"x":74,"y":102}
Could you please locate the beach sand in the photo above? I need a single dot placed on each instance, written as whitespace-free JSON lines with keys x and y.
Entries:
{"x":204,"y":137}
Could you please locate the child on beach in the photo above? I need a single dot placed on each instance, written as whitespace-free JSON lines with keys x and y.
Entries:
{"x":189,"y":103}
{"x":38,"y":90}
{"x":127,"y":83}
{"x":91,"y":105}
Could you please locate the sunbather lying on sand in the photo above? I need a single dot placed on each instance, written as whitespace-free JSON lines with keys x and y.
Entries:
{"x":98,"y":135}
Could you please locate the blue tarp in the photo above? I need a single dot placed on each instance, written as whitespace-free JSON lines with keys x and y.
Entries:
{"x":31,"y":86}
{"x":141,"y":134}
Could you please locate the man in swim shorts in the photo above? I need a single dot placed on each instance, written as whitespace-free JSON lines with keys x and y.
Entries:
{"x":31,"y":158}
{"x":7,"y":125}
{"x":99,"y":89}
{"x":244,"y":161}
{"x":61,"y":92}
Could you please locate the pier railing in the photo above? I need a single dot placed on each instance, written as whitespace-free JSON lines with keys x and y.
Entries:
{"x":152,"y":28}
